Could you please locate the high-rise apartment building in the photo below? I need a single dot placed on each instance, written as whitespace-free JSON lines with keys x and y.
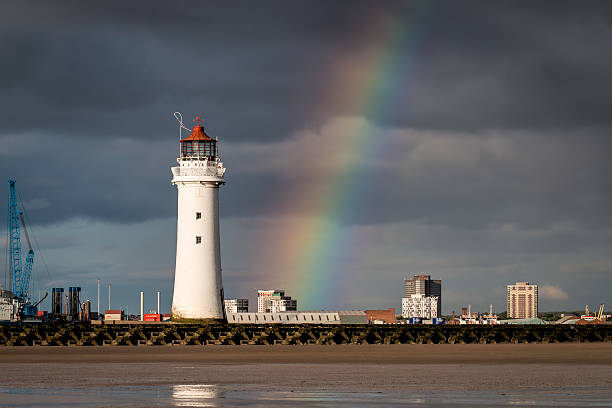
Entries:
{"x":274,"y":301}
{"x":424,"y":285}
{"x":425,"y":307}
{"x":236,"y":305}
{"x":522,"y":300}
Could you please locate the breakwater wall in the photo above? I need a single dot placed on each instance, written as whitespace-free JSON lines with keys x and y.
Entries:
{"x":228,"y":334}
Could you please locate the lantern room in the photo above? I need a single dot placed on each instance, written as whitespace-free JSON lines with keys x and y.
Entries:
{"x":198,"y":145}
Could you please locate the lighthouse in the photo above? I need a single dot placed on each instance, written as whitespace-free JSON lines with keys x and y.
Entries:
{"x":198,"y":289}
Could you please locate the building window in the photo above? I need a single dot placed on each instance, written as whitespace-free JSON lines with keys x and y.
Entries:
{"x":198,"y":240}
{"x":198,"y":215}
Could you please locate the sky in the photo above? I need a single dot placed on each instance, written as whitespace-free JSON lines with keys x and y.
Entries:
{"x":365,"y":142}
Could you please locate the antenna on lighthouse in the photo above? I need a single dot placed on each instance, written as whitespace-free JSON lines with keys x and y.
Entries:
{"x":179,"y":117}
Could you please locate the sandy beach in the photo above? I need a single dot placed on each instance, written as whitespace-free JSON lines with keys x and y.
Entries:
{"x":344,"y":367}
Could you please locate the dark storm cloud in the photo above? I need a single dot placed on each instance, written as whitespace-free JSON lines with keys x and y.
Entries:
{"x":81,"y":77}
{"x":471,"y":65}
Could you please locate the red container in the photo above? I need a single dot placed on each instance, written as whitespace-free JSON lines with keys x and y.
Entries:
{"x":152,"y":317}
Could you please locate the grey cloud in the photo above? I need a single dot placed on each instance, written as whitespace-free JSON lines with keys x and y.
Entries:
{"x":528,"y":178}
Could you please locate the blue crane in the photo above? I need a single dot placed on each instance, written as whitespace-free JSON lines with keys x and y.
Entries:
{"x":20,"y":276}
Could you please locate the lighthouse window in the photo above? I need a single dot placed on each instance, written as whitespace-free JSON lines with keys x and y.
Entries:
{"x":187,"y":148}
{"x":198,"y":240}
{"x":200,"y":149}
{"x":198,"y":215}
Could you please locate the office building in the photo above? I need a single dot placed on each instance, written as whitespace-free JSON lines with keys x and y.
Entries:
{"x":522,"y":301}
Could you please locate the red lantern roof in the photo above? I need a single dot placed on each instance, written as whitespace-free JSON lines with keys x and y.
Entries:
{"x":198,"y":132}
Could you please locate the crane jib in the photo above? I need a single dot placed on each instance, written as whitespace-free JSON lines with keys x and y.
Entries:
{"x":20,"y":274}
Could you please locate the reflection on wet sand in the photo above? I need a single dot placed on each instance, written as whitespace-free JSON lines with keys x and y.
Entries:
{"x":195,"y":395}
{"x":208,"y":395}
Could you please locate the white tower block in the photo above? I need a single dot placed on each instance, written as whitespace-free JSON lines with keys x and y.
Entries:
{"x":198,"y":290}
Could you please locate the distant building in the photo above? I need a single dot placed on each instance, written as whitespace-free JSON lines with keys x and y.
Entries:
{"x":86,"y":311}
{"x":533,"y":320}
{"x":424,"y":285}
{"x":380,"y":316}
{"x":425,"y":307}
{"x":469,"y":317}
{"x":112,"y":315}
{"x":236,"y":305}
{"x":522,"y":301}
{"x":269,"y":301}
{"x":283,"y":305}
{"x":8,"y":306}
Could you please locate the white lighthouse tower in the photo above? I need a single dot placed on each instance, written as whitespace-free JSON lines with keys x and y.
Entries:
{"x":198,"y":290}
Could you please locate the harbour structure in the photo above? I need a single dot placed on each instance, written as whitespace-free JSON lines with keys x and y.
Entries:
{"x":86,"y":311}
{"x":324,"y":317}
{"x":522,"y":301}
{"x":198,"y":288}
{"x":467,"y":317}
{"x":490,"y":318}
{"x":57,"y":299}
{"x":73,"y":304}
{"x":424,"y":285}
{"x":20,"y":267}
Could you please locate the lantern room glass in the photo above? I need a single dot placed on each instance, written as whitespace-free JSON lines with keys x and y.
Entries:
{"x":199,"y":148}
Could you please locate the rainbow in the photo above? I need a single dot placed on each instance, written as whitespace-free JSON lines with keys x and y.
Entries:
{"x":314,"y":252}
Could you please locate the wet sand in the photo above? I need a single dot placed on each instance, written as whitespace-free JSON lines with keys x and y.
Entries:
{"x":310,"y":367}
